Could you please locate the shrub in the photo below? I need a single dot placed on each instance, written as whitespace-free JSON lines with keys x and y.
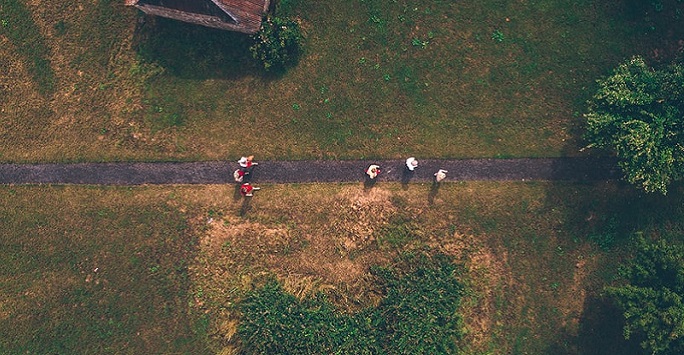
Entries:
{"x":651,"y":300}
{"x":419,"y":312}
{"x":417,"y":316}
{"x":277,"y":44}
{"x":638,"y":114}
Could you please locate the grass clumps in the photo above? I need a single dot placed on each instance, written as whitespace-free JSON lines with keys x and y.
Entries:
{"x":418,"y":314}
{"x":17,"y":24}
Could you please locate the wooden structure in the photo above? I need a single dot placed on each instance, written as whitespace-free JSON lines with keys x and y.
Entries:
{"x":233,"y":15}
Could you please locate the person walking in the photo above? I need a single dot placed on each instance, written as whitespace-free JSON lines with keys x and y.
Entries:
{"x":243,"y":173}
{"x":440,"y":175}
{"x":239,"y":175}
{"x":247,"y":162}
{"x":373,"y":171}
{"x":247,"y":190}
{"x":411,"y":164}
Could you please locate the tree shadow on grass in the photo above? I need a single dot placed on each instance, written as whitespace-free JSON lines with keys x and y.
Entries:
{"x":600,"y":333}
{"x":190,"y":51}
{"x":608,"y":213}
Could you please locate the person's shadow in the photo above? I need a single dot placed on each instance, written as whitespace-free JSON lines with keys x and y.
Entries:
{"x":368,"y":183}
{"x":406,"y":176}
{"x":434,"y":189}
{"x":246,"y":206}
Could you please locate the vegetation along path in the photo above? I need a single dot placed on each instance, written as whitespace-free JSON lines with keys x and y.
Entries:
{"x":217,"y":172}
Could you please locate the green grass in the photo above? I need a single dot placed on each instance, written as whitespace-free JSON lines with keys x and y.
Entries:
{"x":376,"y":79}
{"x":17,"y":25}
{"x":93,"y":271}
{"x":174,"y":262}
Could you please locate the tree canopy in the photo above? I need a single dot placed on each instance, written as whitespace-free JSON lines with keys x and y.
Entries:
{"x":638,"y":114}
{"x":652,"y":297}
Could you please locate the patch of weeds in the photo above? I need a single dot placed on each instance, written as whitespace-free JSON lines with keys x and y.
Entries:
{"x":416,"y":315}
{"x":201,"y":325}
{"x":498,"y":36}
{"x":417,"y":42}
{"x":408,"y":79}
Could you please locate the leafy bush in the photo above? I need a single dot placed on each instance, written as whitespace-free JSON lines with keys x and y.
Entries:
{"x":418,"y":315}
{"x":638,"y":113}
{"x":277,"y":44}
{"x":419,"y":312}
{"x":652,"y":298}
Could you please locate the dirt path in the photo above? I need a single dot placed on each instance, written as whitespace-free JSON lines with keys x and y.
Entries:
{"x":219,"y":172}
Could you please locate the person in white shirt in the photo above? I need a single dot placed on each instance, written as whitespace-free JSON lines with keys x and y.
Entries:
{"x":411,"y":163}
{"x":440,"y":175}
{"x":373,"y":171}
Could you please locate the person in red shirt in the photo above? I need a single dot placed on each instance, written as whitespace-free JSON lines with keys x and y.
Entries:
{"x":239,"y":175}
{"x":247,"y":190}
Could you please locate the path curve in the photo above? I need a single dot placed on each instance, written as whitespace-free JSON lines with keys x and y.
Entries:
{"x":220,"y":172}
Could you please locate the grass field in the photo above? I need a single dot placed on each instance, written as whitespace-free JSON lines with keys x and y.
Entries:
{"x":90,"y":81}
{"x":161,"y":269}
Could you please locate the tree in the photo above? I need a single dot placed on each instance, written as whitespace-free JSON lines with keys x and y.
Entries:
{"x":652,"y":298}
{"x":638,"y":114}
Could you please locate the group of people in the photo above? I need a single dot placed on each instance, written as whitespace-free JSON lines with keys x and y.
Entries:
{"x":411,"y":164}
{"x":243,"y":174}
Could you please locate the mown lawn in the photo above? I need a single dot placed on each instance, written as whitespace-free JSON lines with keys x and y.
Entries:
{"x":162,"y":269}
{"x":96,"y":81}
{"x":95,"y":271}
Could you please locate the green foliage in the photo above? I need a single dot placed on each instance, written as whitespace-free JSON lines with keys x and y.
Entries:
{"x":277,"y":45}
{"x":275,"y":322}
{"x":652,"y":299}
{"x":418,"y":315}
{"x":638,"y":113}
{"x":498,"y":36}
{"x":419,"y":312}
